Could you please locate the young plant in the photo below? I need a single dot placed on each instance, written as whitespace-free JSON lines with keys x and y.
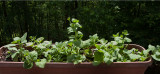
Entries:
{"x":19,"y":51}
{"x":75,"y":42}
{"x":75,"y":50}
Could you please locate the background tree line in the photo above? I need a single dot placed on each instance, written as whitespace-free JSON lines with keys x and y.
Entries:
{"x":49,"y":19}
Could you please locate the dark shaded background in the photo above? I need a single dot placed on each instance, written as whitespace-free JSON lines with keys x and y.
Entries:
{"x":48,"y":19}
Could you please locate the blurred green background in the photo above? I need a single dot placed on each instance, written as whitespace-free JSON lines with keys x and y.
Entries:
{"x":49,"y":19}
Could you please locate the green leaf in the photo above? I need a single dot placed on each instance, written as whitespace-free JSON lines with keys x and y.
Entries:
{"x":40,"y":46}
{"x":39,"y":40}
{"x":79,"y":59}
{"x":116,"y":35}
{"x":68,"y":18}
{"x":75,"y":58}
{"x":41,"y":63}
{"x":70,"y":30}
{"x":155,"y":57}
{"x":10,"y":45}
{"x":78,"y":25}
{"x":49,"y":58}
{"x":127,"y":51}
{"x":106,"y":54}
{"x":157,"y":53}
{"x":134,"y":56}
{"x":12,"y":48}
{"x":72,"y":37}
{"x":118,"y":39}
{"x":103,"y":41}
{"x":97,"y":46}
{"x":71,"y":58}
{"x":8,"y":55}
{"x":152,"y":48}
{"x":127,"y":39}
{"x":108,"y":60}
{"x":77,"y":43}
{"x":85,"y":43}
{"x":120,"y":56}
{"x":45,"y":54}
{"x":87,"y":51}
{"x":16,"y":38}
{"x":25,"y":41}
{"x":23,"y":38}
{"x":47,"y":43}
{"x":33,"y":55}
{"x":75,"y":20}
{"x":146,"y":52}
{"x":70,"y":43}
{"x":80,"y":35}
{"x":114,"y":43}
{"x":82,"y":57}
{"x":25,"y":53}
{"x":32,"y":38}
{"x":96,"y":63}
{"x":28,"y":65}
{"x":93,"y":39}
{"x":99,"y":56}
{"x":14,"y":54}
{"x":125,"y":32}
{"x":143,"y":58}
{"x":29,"y":44}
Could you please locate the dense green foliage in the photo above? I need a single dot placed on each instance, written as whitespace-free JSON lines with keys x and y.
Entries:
{"x":76,"y":50}
{"x":48,"y":19}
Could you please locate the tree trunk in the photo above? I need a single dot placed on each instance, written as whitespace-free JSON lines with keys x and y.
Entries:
{"x":48,"y":29}
{"x":139,"y":7}
{"x":66,"y":15}
{"x":26,"y":16}
{"x":75,"y":8}
{"x":4,"y":8}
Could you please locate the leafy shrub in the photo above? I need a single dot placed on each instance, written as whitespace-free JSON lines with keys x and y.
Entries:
{"x":75,"y":50}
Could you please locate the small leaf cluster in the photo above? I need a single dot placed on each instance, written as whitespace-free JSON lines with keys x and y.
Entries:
{"x":38,"y":51}
{"x":34,"y":51}
{"x":155,"y":52}
{"x":116,"y":50}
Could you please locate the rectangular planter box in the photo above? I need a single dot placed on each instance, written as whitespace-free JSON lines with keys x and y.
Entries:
{"x":83,"y":68}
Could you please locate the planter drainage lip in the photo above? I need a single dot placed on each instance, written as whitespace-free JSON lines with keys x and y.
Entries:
{"x":85,"y":64}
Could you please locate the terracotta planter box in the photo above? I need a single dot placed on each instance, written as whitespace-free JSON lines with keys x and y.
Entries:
{"x":83,"y":68}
